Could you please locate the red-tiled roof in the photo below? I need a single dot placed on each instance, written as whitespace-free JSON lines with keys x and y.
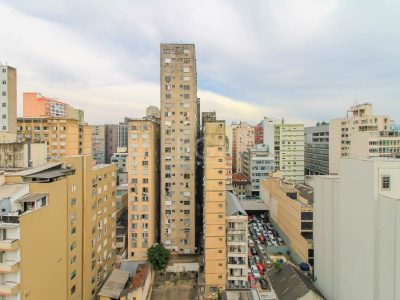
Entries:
{"x":239,"y":178}
{"x":140,"y":276}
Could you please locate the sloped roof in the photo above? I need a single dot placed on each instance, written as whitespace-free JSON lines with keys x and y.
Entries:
{"x":239,"y":178}
{"x":289,"y":283}
{"x":233,"y":207}
{"x":115,"y":284}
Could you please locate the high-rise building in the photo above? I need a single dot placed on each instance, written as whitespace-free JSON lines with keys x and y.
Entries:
{"x":123,"y":134}
{"x":111,"y":135}
{"x":58,"y":230}
{"x":64,"y":137}
{"x":179,"y":132}
{"x":143,"y":186}
{"x":286,"y":143}
{"x":259,"y":134}
{"x":8,"y":99}
{"x":215,"y":253}
{"x":243,"y":139}
{"x":98,"y":143}
{"x":37,"y":105}
{"x":362,"y":135}
{"x":228,"y":168}
{"x":316,"y":150}
{"x":356,"y":230}
{"x":257,"y":164}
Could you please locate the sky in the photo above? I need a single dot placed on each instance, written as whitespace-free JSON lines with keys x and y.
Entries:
{"x":304,"y":61}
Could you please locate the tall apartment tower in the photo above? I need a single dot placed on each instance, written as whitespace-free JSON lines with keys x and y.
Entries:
{"x":8,"y":99}
{"x":179,"y":130}
{"x":215,"y":245}
{"x":243,"y":139}
{"x":143,"y":186}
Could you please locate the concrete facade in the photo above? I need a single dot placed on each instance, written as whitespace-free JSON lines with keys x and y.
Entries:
{"x":292,"y":212}
{"x":361,"y":135}
{"x":98,"y":143}
{"x":257,"y":164}
{"x":243,"y":139}
{"x":63,"y":137}
{"x":316,"y":151}
{"x":357,"y":245}
{"x":215,"y":247}
{"x":143,"y":186}
{"x":8,"y":99}
{"x":58,"y":230}
{"x":179,"y":132}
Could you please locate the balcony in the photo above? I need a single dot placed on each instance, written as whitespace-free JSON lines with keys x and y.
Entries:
{"x":9,"y":288}
{"x":9,"y":245}
{"x":9,"y":266}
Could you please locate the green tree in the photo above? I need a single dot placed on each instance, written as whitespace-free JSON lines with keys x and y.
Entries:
{"x":277,"y":265}
{"x":158,"y":257}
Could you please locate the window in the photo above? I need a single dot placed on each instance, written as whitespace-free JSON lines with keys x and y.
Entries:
{"x":73,"y":230}
{"x":385,"y":182}
{"x":73,"y":201}
{"x":73,"y":259}
{"x":186,"y":87}
{"x":73,"y":289}
{"x":73,"y":274}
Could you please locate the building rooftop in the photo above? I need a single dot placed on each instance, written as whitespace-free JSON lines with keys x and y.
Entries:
{"x":239,"y":178}
{"x":233,"y":207}
{"x":38,"y":169}
{"x":8,"y":190}
{"x":290,"y":283}
{"x":253,"y":205}
{"x":31,"y":197}
{"x":115,"y":284}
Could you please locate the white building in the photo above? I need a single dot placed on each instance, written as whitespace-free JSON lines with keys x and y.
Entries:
{"x":8,"y":99}
{"x":257,"y":164}
{"x":286,"y":143}
{"x":357,"y":230}
{"x":361,"y":135}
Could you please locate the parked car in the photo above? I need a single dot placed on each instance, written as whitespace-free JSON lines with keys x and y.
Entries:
{"x":263,"y":284}
{"x":261,"y":238}
{"x":269,"y":243}
{"x":256,"y":259}
{"x":269,"y":226}
{"x":255,"y":271}
{"x":252,"y":260}
{"x":251,"y":243}
{"x":260,"y":268}
{"x":250,"y":253}
{"x":280,"y":240}
{"x":250,"y":217}
{"x":253,"y":250}
{"x":252,"y":281}
{"x":260,"y":249}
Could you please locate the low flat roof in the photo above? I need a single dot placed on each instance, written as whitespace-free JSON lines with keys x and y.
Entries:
{"x":253,"y":205}
{"x":31,"y":197}
{"x":115,"y":284}
{"x":37,"y":169}
{"x":8,"y":190}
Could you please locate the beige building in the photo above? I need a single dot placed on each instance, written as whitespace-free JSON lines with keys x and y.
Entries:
{"x":290,"y":209}
{"x":237,"y":249}
{"x":179,"y":130}
{"x":228,"y":168}
{"x":215,"y":252}
{"x":361,"y":135}
{"x":143,"y":186}
{"x":243,"y":139}
{"x":63,"y":137}
{"x":69,"y":207}
{"x":22,"y":155}
{"x":8,"y":99}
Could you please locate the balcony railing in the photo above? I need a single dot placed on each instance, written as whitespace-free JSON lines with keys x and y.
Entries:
{"x":8,"y":288}
{"x":9,"y":219}
{"x":9,"y":266}
{"x":10,"y":245}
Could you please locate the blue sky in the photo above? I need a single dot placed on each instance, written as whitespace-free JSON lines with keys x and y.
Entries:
{"x":305,"y":60}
